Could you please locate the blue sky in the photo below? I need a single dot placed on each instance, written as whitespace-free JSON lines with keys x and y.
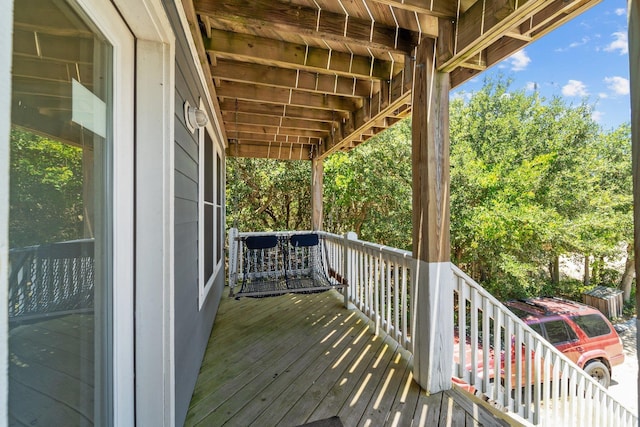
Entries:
{"x":586,"y":58}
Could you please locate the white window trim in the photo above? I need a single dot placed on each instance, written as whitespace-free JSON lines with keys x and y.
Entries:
{"x":107,"y":19}
{"x":154,"y":232}
{"x":206,"y":283}
{"x":6,"y":47}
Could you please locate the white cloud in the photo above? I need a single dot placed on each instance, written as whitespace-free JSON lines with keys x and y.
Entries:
{"x":531,"y":86}
{"x":619,"y":43}
{"x":574,"y":45}
{"x":621,"y":11}
{"x":462,"y":95}
{"x":597,"y":116}
{"x":519,"y":60}
{"x":574,"y":88}
{"x":582,"y":41}
{"x":602,"y":95}
{"x":619,"y":85}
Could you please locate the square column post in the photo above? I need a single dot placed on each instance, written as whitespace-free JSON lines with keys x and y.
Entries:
{"x":432,"y":293}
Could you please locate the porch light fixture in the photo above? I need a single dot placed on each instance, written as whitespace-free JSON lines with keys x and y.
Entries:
{"x":194,"y":118}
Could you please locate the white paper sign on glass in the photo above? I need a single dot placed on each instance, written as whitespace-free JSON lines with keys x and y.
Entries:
{"x":89,"y":111}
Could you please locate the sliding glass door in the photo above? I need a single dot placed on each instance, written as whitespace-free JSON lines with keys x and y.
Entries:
{"x":61,"y":217}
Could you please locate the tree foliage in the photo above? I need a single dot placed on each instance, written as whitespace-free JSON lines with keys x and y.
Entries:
{"x":532,"y":179}
{"x":268,"y":195}
{"x":368,"y":190}
{"x":45,"y":195}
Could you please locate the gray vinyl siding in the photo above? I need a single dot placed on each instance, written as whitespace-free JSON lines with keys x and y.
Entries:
{"x":192,"y":326}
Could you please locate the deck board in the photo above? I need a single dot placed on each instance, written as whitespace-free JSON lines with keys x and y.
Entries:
{"x":51,"y":372}
{"x":294,"y":359}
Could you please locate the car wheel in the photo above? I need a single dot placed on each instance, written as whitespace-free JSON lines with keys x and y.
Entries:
{"x":599,"y":372}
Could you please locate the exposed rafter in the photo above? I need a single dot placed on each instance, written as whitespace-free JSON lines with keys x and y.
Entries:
{"x":330,"y":74}
{"x":289,"y":17}
{"x":245,"y":47}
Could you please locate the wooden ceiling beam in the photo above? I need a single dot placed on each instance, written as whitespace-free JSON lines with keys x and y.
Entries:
{"x":285,"y":96}
{"x":282,"y":151}
{"x":554,"y":14}
{"x":439,"y":8}
{"x":25,"y":85}
{"x":392,"y":97}
{"x":273,"y":138}
{"x":291,"y":132}
{"x":265,"y":109}
{"x":488,"y":22}
{"x":35,"y":68}
{"x":310,"y":22}
{"x":60,"y":130}
{"x":245,"y":47}
{"x":484,"y":23}
{"x":49,"y":47}
{"x":287,"y":122}
{"x":291,"y":79}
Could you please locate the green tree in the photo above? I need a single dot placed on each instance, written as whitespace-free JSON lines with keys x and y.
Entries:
{"x":368,"y":190}
{"x":268,"y":195}
{"x":45,"y":196}
{"x":521,"y":177}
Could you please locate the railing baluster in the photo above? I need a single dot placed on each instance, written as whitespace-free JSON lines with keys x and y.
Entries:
{"x":508,"y":348}
{"x":404,"y":304}
{"x":388,"y":301}
{"x":397,"y":289}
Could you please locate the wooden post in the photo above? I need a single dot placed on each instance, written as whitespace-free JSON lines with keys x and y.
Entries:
{"x":317,"y":172}
{"x":634,"y":68}
{"x":432,"y":302}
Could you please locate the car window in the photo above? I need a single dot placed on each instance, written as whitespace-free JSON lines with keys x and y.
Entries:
{"x":536,"y":327}
{"x":592,"y":324}
{"x":559,"y":332}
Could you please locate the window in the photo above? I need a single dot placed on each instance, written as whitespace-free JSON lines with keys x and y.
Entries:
{"x":559,"y":332}
{"x":536,"y":327}
{"x":211,"y":244}
{"x":592,"y":324}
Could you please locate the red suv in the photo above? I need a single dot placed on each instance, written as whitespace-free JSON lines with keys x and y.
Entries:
{"x":579,"y":331}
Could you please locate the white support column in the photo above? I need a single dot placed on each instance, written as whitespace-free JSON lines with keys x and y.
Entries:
{"x":432,"y":302}
{"x":634,"y":68}
{"x":317,"y":173}
{"x":155,"y":382}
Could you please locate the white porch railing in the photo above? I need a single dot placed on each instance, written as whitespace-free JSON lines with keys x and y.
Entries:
{"x":379,"y":281}
{"x":569,"y":398}
{"x":379,"y":284}
{"x":50,"y":279}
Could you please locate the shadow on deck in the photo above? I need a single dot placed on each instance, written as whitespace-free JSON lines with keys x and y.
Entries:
{"x":295,"y":359}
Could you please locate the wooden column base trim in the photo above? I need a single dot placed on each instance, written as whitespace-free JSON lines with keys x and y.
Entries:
{"x":432,"y":328}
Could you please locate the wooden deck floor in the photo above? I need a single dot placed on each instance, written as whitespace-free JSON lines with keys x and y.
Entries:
{"x":295,"y":359}
{"x":51,"y":372}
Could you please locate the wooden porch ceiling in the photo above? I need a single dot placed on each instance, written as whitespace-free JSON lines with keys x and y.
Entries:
{"x":299,"y":79}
